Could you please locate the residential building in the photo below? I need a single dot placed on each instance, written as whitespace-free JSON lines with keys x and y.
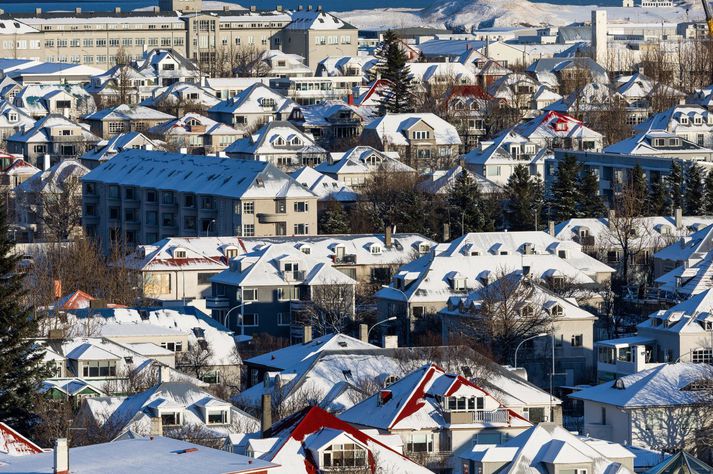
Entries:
{"x":278,"y":287}
{"x":661,"y":143}
{"x":356,"y":166}
{"x":691,"y":246}
{"x":150,"y":454}
{"x":556,"y":130}
{"x":328,"y":190}
{"x":45,"y":186}
{"x":547,"y":448}
{"x":332,"y":123}
{"x":196,"y":133}
{"x":346,"y":65}
{"x":315,"y":89}
{"x":647,"y":408}
{"x":122,"y":83}
{"x":316,"y":35}
{"x":312,"y":441}
{"x":123,"y":118}
{"x":516,"y":90}
{"x":438,"y":416}
{"x":441,"y":182}
{"x":13,"y":119}
{"x":13,"y":172}
{"x":571,"y":327}
{"x":226,"y":87}
{"x":165,"y":409}
{"x":437,"y":76}
{"x":192,"y":195}
{"x":496,"y":159}
{"x":108,"y":149}
{"x":252,"y":107}
{"x":684,"y":281}
{"x":52,"y":135}
{"x":565,"y":74}
{"x":690,"y":122}
{"x":282,"y":64}
{"x":70,"y":101}
{"x":469,"y":105}
{"x":180,"y":98}
{"x":186,"y":276}
{"x":639,"y":90}
{"x":281,"y":144}
{"x":423,"y":141}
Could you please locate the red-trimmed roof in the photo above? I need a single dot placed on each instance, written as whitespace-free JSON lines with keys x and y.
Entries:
{"x":14,"y":444}
{"x":468,"y":91}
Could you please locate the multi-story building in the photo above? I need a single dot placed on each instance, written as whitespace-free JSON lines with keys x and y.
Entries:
{"x":108,"y":149}
{"x":196,"y":133}
{"x":252,"y":107}
{"x":109,"y":122}
{"x":331,"y":123}
{"x":140,"y":196}
{"x":358,"y":165}
{"x":314,"y":90}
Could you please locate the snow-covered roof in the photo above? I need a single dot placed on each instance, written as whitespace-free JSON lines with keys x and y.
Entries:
{"x":647,"y":143}
{"x":232,"y":178}
{"x":339,"y":65}
{"x":51,"y":180}
{"x":316,"y":20}
{"x":256,"y":99}
{"x":323,"y":186}
{"x":666,"y":385}
{"x":362,"y":160}
{"x":13,"y":443}
{"x":143,"y":456}
{"x":691,"y":316}
{"x":694,"y":276}
{"x":41,"y":132}
{"x":276,"y":137}
{"x":501,"y":150}
{"x":181,"y":93}
{"x":551,"y":125}
{"x":640,"y":86}
{"x":193,"y":124}
{"x":107,"y":149}
{"x":415,"y":402}
{"x":392,"y":128}
{"x":14,"y":117}
{"x":127,"y":112}
{"x":441,"y":72}
{"x":327,"y":112}
{"x":539,"y":447}
{"x":679,"y":119}
{"x":442,"y":181}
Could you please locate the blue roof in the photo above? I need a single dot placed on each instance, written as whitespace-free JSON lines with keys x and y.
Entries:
{"x":44,"y":68}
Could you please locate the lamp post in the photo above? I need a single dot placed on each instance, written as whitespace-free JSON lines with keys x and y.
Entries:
{"x":207,"y":230}
{"x":392,"y":318}
{"x":552,"y":377}
{"x":407,"y":336}
{"x":542,"y":334}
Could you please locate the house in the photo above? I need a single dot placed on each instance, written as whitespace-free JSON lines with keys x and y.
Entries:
{"x":516,"y":90}
{"x":564,"y":74}
{"x":71,"y":389}
{"x":13,"y":172}
{"x":661,"y":143}
{"x":198,"y":195}
{"x":52,"y":135}
{"x":592,"y":99}
{"x":659,"y":408}
{"x":690,"y":122}
{"x":358,"y":65}
{"x":108,"y":149}
{"x":571,"y":327}
{"x":13,"y":443}
{"x":316,"y":89}
{"x":356,"y":166}
{"x":690,"y":245}
{"x":425,"y":285}
{"x":180,"y":98}
{"x":281,"y":64}
{"x":13,"y":119}
{"x":196,"y":133}
{"x":123,"y":118}
{"x":166,"y":409}
{"x":312,"y":441}
{"x":686,"y":280}
{"x":278,"y":286}
{"x":440,"y":75}
{"x":469,"y":105}
{"x":172,"y":275}
{"x":137,"y":455}
{"x":280,"y":144}
{"x":252,"y":107}
{"x":442,"y":182}
{"x":328,"y":189}
{"x":556,"y":130}
{"x":547,"y":448}
{"x":639,"y":90}
{"x":225,"y":87}
{"x":438,"y":416}
{"x":48,"y":186}
{"x":316,"y":34}
{"x":122,"y":83}
{"x":70,"y":101}
{"x":423,"y":141}
{"x":332,"y":123}
{"x":496,"y":159}
{"x":166,"y":67}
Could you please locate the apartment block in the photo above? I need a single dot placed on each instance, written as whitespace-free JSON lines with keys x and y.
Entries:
{"x":140,"y":197}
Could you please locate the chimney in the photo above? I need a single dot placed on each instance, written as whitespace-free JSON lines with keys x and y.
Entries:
{"x":57,"y":287}
{"x":156,"y":428}
{"x":300,"y":8}
{"x":266,"y":416}
{"x":364,"y":333}
{"x":446,"y":232}
{"x":164,"y":374}
{"x":307,"y":334}
{"x":387,"y":237}
{"x":61,"y":456}
{"x":279,"y":8}
{"x":253,"y":8}
{"x":309,"y":8}
{"x":612,"y":217}
{"x":678,"y":217}
{"x":350,"y":99}
{"x":46,"y":162}
{"x":156,"y":9}
{"x":319,"y":8}
{"x":551,"y":227}
{"x":117,"y":9}
{"x":38,"y":11}
{"x":77,"y":10}
{"x":391,"y":342}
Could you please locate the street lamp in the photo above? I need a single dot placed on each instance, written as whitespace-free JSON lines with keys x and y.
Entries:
{"x":392,"y":318}
{"x":542,"y":334}
{"x":207,"y":229}
{"x":407,"y":336}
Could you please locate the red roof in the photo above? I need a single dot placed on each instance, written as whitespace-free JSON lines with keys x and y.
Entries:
{"x":14,"y":444}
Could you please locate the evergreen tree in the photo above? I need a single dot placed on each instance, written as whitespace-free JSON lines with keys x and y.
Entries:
{"x":393,"y":67}
{"x":21,"y":366}
{"x":465,"y":205}
{"x":524,"y":200}
{"x":564,"y":198}
{"x":674,"y":182}
{"x":708,"y":189}
{"x":658,"y":203}
{"x":334,"y":220}
{"x":639,"y":190}
{"x":590,"y":201}
{"x":694,"y":190}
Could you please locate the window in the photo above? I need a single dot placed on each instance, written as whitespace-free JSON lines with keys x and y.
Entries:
{"x":283,"y":319}
{"x":173,"y":346}
{"x":420,"y":443}
{"x":624,"y":354}
{"x":150,"y":196}
{"x":99,"y":368}
{"x":249,"y":294}
{"x":301,"y":206}
{"x":189,"y":200}
{"x":577,"y":340}
{"x":348,"y":455}
{"x":251,"y":320}
{"x":702,"y":356}
{"x":167,"y":197}
{"x":248,"y":230}
{"x":171,"y":419}
{"x":218,"y":417}
{"x":116,"y":127}
{"x":248,"y":207}
{"x":301,"y":229}
{"x":421,"y":135}
{"x":167,"y":219}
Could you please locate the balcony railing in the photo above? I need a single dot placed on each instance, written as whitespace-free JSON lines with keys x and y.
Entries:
{"x":499,"y":415}
{"x":217,"y":302}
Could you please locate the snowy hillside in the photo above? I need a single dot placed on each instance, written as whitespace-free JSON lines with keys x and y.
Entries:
{"x":499,"y":13}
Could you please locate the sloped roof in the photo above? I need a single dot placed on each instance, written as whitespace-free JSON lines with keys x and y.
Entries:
{"x":14,"y":444}
{"x":681,"y":463}
{"x":391,"y":128}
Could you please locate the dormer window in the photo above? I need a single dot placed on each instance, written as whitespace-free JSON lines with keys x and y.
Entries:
{"x":296,"y":141}
{"x":698,"y":120}
{"x":13,"y":117}
{"x":459,"y":283}
{"x":179,"y":253}
{"x":375,"y":249}
{"x":421,"y":135}
{"x":423,"y":248}
{"x":557,"y":310}
{"x":279,"y":141}
{"x":684,"y":120}
{"x":231,"y":252}
{"x":344,"y":456}
{"x":218,"y":416}
{"x":306,"y":249}
{"x":171,"y":418}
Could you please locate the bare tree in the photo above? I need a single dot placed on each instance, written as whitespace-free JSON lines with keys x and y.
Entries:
{"x":61,"y":211}
{"x":121,"y":84}
{"x":196,"y":360}
{"x":332,"y":307}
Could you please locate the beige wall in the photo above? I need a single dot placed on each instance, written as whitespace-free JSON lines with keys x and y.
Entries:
{"x":308,"y":44}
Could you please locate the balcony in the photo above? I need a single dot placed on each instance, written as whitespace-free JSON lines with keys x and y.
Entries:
{"x":345,"y":259}
{"x":500,"y":415}
{"x":217,"y":302}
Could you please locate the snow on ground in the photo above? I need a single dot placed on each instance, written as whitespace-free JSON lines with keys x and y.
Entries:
{"x":487,"y":13}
